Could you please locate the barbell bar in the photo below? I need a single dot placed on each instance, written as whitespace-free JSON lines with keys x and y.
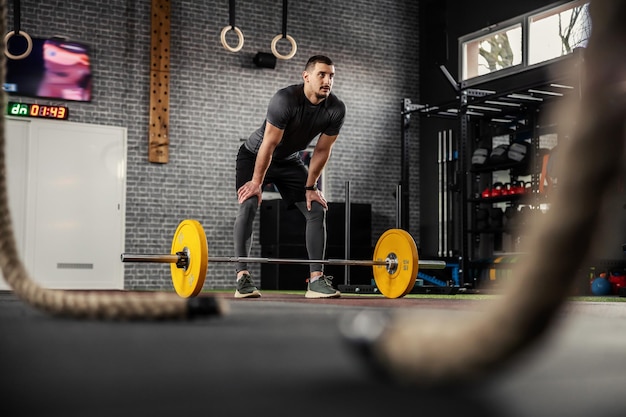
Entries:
{"x":182,"y":260}
{"x":395,"y":262}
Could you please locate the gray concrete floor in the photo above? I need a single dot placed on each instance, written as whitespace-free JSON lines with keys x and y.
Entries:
{"x":287,"y":357}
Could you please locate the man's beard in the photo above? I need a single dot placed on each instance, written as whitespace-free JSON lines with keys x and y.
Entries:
{"x":322,"y":96}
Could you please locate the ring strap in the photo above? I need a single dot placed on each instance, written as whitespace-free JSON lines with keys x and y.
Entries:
{"x":285,"y":6}
{"x":232,"y":12}
{"x":16,"y":16}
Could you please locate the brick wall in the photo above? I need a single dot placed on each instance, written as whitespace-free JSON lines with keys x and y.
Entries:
{"x":218,"y":97}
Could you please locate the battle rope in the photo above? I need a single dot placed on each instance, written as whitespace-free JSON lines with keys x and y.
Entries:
{"x":283,"y":35}
{"x":118,"y":306}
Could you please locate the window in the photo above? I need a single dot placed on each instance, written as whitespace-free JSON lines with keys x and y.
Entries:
{"x":494,"y":52}
{"x":529,"y":39}
{"x":557,"y":32}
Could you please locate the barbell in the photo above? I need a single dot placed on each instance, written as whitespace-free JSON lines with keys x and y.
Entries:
{"x":395,"y":262}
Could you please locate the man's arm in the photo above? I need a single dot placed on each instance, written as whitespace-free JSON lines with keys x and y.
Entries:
{"x":271,"y":139}
{"x":320,"y":157}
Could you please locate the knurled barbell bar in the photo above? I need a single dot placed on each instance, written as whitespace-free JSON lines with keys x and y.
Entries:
{"x":395,"y":262}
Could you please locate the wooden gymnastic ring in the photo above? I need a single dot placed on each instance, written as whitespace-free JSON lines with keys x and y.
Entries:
{"x":29,"y":41}
{"x":239,"y":34}
{"x":294,"y":47}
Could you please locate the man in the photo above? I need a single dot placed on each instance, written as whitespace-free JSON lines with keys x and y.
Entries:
{"x":296,"y":115}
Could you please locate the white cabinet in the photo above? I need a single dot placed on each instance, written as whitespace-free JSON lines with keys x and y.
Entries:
{"x":66,"y":184}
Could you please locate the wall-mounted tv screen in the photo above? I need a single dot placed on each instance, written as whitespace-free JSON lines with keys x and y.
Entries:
{"x":55,"y":69}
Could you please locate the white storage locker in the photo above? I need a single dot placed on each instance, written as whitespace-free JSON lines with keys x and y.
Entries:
{"x":70,"y":184}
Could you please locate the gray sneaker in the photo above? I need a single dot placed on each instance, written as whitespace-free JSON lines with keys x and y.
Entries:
{"x":322,"y":288}
{"x":246,"y":288}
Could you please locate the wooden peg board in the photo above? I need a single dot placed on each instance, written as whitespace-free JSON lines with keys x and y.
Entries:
{"x":158,"y":131}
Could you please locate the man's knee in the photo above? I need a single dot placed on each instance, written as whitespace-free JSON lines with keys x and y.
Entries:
{"x":317,"y":212}
{"x":248,"y":207}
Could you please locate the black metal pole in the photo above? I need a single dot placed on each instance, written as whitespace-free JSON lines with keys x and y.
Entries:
{"x":404,"y":164}
{"x":464,"y":120}
{"x":348,"y":212}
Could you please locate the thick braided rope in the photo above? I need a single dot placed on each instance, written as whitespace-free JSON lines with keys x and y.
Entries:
{"x":68,"y":303}
{"x":433,"y":350}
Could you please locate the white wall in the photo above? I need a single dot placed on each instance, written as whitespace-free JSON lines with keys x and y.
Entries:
{"x":66,"y":184}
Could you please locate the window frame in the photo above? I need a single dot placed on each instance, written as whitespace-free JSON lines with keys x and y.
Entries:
{"x":524,"y":22}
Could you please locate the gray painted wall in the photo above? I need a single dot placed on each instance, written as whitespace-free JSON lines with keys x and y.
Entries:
{"x":219,"y":97}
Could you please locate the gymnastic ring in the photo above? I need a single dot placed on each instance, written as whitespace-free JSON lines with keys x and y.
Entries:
{"x":294,"y":47}
{"x":29,"y":48}
{"x":239,"y":34}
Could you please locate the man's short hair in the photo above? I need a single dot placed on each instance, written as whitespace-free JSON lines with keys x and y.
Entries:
{"x":315,"y":59}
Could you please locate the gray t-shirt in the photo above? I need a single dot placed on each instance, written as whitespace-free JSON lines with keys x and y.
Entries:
{"x":301,"y":121}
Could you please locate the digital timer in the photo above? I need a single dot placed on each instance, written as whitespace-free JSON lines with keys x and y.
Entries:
{"x":37,"y":110}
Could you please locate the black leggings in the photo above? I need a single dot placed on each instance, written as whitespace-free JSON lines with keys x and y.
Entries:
{"x":289,"y":177}
{"x":315,"y":232}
